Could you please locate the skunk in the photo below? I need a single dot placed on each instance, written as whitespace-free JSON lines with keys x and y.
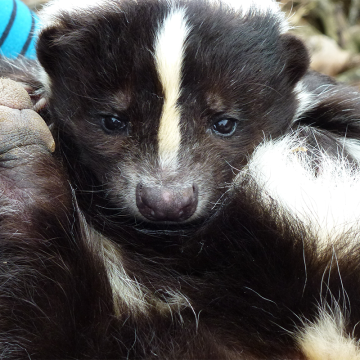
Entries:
{"x":203,"y":199}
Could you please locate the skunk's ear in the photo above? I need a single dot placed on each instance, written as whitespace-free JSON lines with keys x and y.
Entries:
{"x":297,"y":57}
{"x":64,"y":57}
{"x":51,"y":49}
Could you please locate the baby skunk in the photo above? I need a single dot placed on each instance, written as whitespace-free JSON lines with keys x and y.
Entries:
{"x":204,"y":197}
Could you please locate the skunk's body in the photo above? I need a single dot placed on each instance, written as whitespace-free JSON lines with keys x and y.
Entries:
{"x":203,"y":201}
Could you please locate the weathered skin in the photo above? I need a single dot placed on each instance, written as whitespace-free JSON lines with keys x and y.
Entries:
{"x":20,"y":125}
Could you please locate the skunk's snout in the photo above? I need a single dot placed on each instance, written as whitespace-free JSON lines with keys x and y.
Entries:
{"x":158,"y":203}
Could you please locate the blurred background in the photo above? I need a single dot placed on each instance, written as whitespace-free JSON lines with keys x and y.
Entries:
{"x":330,"y":29}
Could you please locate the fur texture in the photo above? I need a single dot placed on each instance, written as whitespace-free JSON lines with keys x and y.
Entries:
{"x":202,"y":202}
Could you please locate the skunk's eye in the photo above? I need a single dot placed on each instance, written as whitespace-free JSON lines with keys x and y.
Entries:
{"x":224,"y":127}
{"x":114,"y":124}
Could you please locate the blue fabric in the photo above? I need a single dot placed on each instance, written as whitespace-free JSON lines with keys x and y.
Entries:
{"x":17,"y":29}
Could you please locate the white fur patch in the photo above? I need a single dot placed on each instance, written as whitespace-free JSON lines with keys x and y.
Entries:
{"x":306,"y":100}
{"x":45,"y":80}
{"x":353,"y":147}
{"x":261,"y":7}
{"x":169,"y":53}
{"x":321,"y":191}
{"x":50,"y":12}
{"x":126,"y":291}
{"x":326,"y":338}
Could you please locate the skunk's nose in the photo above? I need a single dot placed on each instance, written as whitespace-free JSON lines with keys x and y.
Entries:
{"x":166,"y":204}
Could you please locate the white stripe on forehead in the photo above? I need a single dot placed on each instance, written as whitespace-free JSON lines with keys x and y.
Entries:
{"x":169,"y":54}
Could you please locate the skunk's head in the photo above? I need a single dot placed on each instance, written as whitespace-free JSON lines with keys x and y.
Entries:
{"x":166,"y":100}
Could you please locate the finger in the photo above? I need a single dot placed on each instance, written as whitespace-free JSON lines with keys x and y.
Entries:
{"x":23,"y":127}
{"x":13,"y":95}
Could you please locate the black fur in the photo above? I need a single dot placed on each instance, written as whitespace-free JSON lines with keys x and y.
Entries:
{"x":248,"y":273}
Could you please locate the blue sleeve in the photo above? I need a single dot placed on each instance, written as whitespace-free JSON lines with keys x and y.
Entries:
{"x":18,"y":26}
